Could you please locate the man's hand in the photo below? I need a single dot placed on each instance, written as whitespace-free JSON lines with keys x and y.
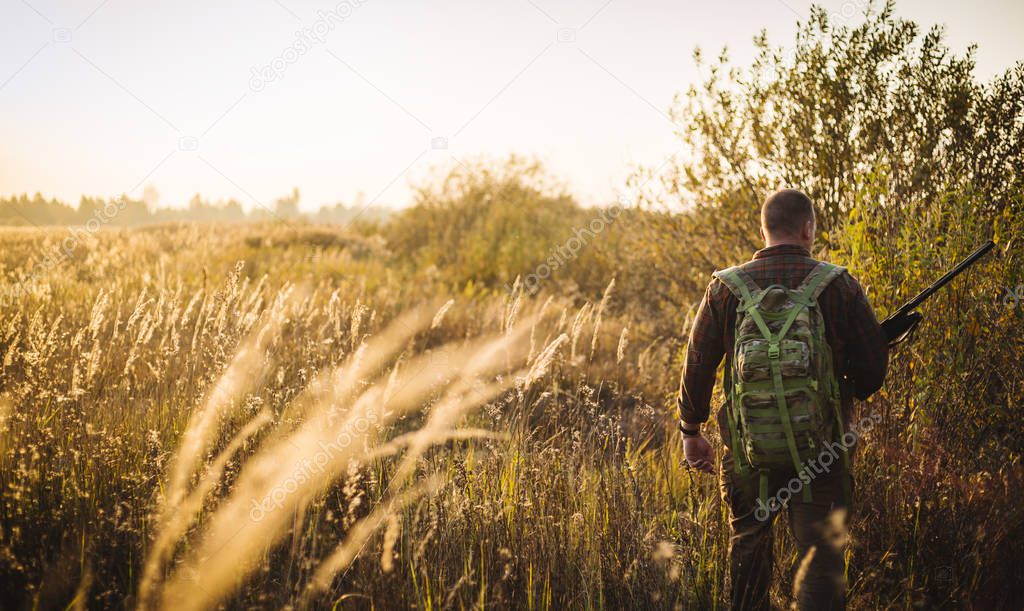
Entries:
{"x":699,"y":453}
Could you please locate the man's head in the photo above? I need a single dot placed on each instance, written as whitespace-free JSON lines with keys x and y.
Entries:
{"x":787,"y":217}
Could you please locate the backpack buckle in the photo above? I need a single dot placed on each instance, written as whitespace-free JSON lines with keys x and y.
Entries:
{"x":773,"y":350}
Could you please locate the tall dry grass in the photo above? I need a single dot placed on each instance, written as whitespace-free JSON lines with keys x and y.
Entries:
{"x":217,"y":436}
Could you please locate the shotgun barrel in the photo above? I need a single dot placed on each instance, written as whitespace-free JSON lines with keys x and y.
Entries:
{"x":899,"y":325}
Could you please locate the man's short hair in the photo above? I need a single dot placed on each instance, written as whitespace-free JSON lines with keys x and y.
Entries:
{"x":785,"y":212}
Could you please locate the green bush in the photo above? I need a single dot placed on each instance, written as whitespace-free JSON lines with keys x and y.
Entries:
{"x":485,"y":224}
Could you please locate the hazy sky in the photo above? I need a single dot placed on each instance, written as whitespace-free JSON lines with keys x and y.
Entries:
{"x":107,"y":97}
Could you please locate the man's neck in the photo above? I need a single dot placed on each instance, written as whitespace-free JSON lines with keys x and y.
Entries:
{"x":769,"y":242}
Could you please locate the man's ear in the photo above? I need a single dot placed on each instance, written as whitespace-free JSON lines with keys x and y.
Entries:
{"x":760,"y":229}
{"x":808,"y":231}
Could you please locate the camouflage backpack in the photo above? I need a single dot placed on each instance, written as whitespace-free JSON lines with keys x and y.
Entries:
{"x":784,"y":405}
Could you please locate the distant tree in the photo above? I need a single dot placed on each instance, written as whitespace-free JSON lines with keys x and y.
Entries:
{"x":24,"y":211}
{"x":287,"y":207}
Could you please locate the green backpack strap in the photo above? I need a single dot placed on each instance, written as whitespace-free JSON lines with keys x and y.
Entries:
{"x":743,"y":287}
{"x":816,"y":281}
{"x":738,"y":462}
{"x":739,"y":284}
{"x":809,"y":291}
{"x":774,"y":355}
{"x":746,"y":291}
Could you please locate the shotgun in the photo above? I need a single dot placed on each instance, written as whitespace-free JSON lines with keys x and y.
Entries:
{"x":899,"y":325}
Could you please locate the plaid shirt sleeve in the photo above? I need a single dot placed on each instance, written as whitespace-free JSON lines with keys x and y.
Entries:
{"x":867,"y":351}
{"x":704,"y":351}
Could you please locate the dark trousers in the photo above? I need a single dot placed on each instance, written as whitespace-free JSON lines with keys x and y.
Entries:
{"x":819,"y":527}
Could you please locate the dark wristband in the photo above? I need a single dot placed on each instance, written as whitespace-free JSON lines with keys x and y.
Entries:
{"x":687,"y":432}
